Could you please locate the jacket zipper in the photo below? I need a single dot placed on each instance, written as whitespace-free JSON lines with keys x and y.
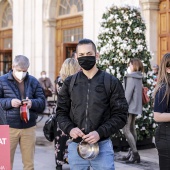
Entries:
{"x":87,"y":106}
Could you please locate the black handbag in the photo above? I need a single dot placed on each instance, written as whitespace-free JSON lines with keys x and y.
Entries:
{"x":48,"y":128}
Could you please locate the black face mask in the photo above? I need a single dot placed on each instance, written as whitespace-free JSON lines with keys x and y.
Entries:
{"x":87,"y":62}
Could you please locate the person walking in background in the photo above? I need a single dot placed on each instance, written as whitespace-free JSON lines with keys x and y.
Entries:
{"x":155,"y":70}
{"x":133,"y":94}
{"x":88,"y":112}
{"x":18,"y":88}
{"x":46,"y":84}
{"x":69,"y":67}
{"x":162,"y":113}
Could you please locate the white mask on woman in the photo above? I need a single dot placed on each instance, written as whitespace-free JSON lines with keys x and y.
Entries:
{"x":129,"y":70}
{"x":20,"y":75}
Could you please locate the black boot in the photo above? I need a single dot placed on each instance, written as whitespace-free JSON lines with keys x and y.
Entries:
{"x":59,"y":167}
{"x":125,"y":158}
{"x":135,"y":157}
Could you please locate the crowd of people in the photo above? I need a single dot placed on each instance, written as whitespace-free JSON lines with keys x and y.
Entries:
{"x":87,"y":109}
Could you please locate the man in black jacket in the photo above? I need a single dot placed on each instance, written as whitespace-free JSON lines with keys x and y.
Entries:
{"x":87,"y":112}
{"x":18,"y":88}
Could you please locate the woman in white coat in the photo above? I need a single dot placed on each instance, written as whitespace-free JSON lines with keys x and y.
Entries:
{"x":133,"y":94}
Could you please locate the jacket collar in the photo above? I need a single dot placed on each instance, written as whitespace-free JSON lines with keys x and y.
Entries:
{"x":11,"y":77}
{"x":136,"y":74}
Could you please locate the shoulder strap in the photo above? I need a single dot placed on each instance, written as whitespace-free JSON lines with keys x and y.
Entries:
{"x":73,"y":79}
{"x":45,"y":84}
{"x":107,"y":82}
{"x":125,"y":81}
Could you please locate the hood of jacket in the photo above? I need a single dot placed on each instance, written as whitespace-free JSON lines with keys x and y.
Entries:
{"x":137,"y":75}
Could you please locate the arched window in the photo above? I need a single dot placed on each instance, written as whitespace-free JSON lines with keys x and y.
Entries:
{"x":67,"y":7}
{"x":7,"y":18}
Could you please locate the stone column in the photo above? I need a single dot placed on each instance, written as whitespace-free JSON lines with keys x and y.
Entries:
{"x":49,"y":47}
{"x":18,"y":27}
{"x":94,"y":10}
{"x":28,"y":33}
{"x":10,"y":2}
{"x":150,"y":15}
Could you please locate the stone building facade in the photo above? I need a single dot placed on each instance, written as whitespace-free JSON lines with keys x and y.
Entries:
{"x":47,"y":31}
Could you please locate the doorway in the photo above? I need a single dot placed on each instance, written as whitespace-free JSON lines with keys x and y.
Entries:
{"x":5,"y":61}
{"x":164,"y":28}
{"x":69,"y":29}
{"x":69,"y":49}
{"x":6,"y":38}
{"x":67,"y":37}
{"x":5,"y":51}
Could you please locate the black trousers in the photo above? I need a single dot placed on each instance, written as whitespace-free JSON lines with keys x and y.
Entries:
{"x":162,"y":140}
{"x":60,"y":142}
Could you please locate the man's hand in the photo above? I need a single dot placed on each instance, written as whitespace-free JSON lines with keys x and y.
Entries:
{"x":28,"y":102}
{"x":76,"y":132}
{"x":16,"y":103}
{"x":92,"y":137}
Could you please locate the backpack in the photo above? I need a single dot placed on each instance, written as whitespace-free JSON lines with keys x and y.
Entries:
{"x":107,"y":82}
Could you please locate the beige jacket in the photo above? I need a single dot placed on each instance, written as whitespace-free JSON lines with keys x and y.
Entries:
{"x":46,"y":83}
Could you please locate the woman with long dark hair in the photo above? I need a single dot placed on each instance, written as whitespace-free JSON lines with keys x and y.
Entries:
{"x":162,"y":113}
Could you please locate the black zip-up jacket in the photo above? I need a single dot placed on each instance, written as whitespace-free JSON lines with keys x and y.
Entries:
{"x":89,"y":107}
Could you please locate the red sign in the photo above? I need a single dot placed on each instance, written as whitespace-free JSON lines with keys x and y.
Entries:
{"x":4,"y":148}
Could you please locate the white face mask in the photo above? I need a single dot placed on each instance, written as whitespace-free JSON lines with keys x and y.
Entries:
{"x":129,"y":70}
{"x":43,"y":76}
{"x":20,"y":75}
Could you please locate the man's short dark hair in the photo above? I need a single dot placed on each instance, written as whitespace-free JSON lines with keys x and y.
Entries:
{"x":86,"y":41}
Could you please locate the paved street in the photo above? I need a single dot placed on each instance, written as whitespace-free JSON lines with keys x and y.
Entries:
{"x":44,"y":156}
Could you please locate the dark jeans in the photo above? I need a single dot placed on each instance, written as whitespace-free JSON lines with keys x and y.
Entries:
{"x":162,"y":140}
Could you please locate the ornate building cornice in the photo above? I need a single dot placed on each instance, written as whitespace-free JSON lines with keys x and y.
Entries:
{"x":150,"y":4}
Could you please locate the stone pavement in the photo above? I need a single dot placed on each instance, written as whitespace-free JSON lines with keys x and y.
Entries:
{"x":44,"y":156}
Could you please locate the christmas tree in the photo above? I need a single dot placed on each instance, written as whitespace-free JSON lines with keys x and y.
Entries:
{"x":122,"y":37}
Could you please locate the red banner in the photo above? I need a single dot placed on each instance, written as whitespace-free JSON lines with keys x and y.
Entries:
{"x":4,"y":148}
